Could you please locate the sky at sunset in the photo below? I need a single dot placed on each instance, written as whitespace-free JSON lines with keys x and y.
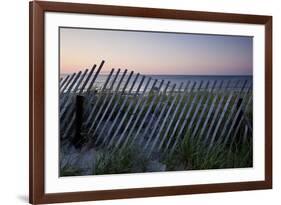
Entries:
{"x":155,"y":53}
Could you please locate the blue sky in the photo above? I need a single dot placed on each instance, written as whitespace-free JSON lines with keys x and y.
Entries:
{"x":156,"y":53}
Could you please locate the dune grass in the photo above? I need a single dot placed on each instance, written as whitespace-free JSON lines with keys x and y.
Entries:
{"x":127,"y":160}
{"x":191,"y":153}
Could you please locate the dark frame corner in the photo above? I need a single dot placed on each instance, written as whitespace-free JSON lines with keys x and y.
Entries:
{"x":36,"y":101}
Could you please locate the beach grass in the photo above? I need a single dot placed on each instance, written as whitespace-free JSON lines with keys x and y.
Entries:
{"x":191,"y":153}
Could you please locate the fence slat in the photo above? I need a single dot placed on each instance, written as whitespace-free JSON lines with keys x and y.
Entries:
{"x":131,"y":129}
{"x":139,"y":114}
{"x":177,"y":123}
{"x":168,"y":114}
{"x":78,"y":121}
{"x":239,"y":124}
{"x":152,"y":118}
{"x":159,"y":116}
{"x":214,"y":117}
{"x":225,"y":107}
{"x":205,"y":107}
{"x":224,"y":112}
{"x":69,"y":100}
{"x":201,"y":98}
{"x":63,"y":81}
{"x":115,"y":107}
{"x":80,"y":81}
{"x":71,"y":114}
{"x":71,"y":124}
{"x":185,"y":108}
{"x":95,"y":77}
{"x":112,"y":97}
{"x":245,"y":134}
{"x":183,"y":95}
{"x":111,"y":101}
{"x":228,"y":121}
{"x":139,"y":100}
{"x":87,"y":80}
{"x":91,"y":95}
{"x":211,"y":109}
{"x":64,"y":88}
{"x":158,"y":95}
{"x":163,"y":109}
{"x":96,"y":102}
{"x":234,"y":122}
{"x":65,"y":98}
{"x":66,"y":94}
{"x":69,"y":105}
{"x":103,"y":102}
{"x":187,"y":116}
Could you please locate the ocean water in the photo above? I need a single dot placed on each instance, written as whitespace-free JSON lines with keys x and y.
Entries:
{"x":198,"y":81}
{"x":214,"y":80}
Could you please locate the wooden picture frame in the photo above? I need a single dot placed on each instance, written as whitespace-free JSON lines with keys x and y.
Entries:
{"x":37,"y":11}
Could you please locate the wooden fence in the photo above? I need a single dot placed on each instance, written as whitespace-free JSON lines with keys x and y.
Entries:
{"x":123,"y":108}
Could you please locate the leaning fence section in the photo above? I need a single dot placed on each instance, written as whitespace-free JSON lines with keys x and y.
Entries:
{"x":124,"y":108}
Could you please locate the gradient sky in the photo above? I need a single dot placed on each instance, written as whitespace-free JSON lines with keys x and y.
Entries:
{"x":156,"y":53}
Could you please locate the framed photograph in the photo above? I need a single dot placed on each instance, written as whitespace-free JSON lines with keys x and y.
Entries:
{"x":139,"y":102}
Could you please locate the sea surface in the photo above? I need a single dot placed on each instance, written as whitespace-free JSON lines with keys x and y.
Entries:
{"x":196,"y":81}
